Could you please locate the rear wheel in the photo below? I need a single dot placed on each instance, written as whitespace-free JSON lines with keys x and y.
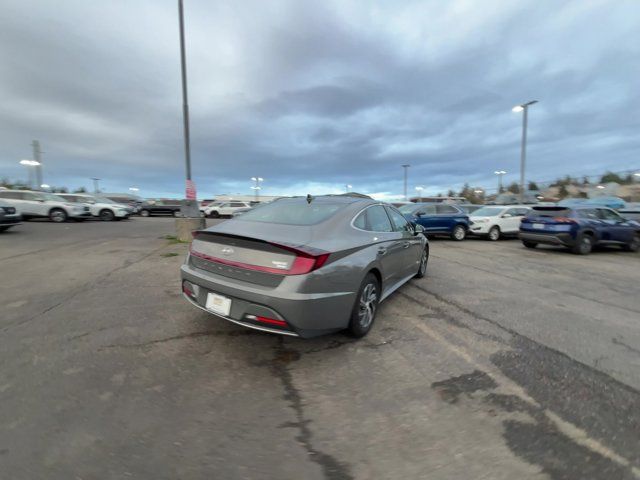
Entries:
{"x":494,"y":234}
{"x":634,"y":245}
{"x":424,"y":259}
{"x":458,"y":233}
{"x":58,"y":215}
{"x":365,"y":308}
{"x":529,"y":244}
{"x":144,"y":213}
{"x":106,"y":215}
{"x":214,"y":214}
{"x":584,"y":245}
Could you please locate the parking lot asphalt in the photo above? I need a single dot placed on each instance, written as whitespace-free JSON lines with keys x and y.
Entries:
{"x":501,"y":363}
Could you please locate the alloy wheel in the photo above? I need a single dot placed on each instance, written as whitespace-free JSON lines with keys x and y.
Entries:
{"x":367,"y":309}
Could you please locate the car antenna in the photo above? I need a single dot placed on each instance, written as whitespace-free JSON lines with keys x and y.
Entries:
{"x":309,"y":198}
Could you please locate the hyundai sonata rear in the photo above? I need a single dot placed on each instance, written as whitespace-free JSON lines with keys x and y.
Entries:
{"x":303,"y":267}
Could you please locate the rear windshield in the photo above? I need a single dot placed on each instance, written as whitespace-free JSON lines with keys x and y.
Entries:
{"x":408,"y":208}
{"x":287,"y":213}
{"x":549,"y":212}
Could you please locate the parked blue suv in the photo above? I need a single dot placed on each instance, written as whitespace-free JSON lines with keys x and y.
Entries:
{"x":438,"y":219}
{"x":579,"y":227}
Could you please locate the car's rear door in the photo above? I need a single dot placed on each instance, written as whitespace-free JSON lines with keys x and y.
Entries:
{"x":446,"y":217}
{"x":411,"y":244}
{"x":389,"y":244}
{"x":510,"y":223}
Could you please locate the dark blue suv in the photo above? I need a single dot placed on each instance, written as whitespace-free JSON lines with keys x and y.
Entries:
{"x":579,"y":227}
{"x":438,"y":219}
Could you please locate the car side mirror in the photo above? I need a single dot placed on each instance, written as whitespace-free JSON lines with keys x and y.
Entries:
{"x":506,"y":215}
{"x":418,"y":229}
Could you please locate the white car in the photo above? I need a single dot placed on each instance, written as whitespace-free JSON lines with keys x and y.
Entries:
{"x":42,"y":204}
{"x":225,"y":209}
{"x":495,"y":221}
{"x":104,"y":208}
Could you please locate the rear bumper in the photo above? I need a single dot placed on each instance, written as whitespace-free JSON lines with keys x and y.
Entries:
{"x":564,"y":239}
{"x":307,"y":314}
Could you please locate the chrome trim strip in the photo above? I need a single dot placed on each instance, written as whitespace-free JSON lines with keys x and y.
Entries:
{"x":238,"y":322}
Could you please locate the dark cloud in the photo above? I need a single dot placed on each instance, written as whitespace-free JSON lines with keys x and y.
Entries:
{"x":314,"y":95}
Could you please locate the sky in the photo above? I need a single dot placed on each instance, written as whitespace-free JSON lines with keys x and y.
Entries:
{"x":313,"y":96}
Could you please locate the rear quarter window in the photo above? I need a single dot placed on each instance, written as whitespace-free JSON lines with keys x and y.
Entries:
{"x":550,"y":212}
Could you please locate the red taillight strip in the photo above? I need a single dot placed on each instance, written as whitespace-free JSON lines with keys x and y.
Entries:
{"x":272,"y":321}
{"x":303,"y":263}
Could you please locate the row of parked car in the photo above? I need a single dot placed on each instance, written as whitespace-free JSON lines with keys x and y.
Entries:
{"x":16,"y":205}
{"x":579,"y":227}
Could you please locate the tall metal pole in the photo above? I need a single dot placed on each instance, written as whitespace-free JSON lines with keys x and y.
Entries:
{"x":96,"y":189}
{"x":257,"y":188}
{"x":405,"y":181}
{"x":37,"y":158}
{"x":185,"y":103}
{"x":523,"y":152}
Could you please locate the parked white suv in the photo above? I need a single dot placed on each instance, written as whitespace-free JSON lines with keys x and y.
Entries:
{"x":225,"y":209}
{"x":494,"y":221}
{"x":42,"y":204}
{"x":107,"y":210}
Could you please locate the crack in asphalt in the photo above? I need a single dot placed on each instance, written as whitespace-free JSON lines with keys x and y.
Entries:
{"x":332,"y":468}
{"x":615,"y":341}
{"x":207,"y":333}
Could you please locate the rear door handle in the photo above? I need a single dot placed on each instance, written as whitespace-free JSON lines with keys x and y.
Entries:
{"x":382,"y":250}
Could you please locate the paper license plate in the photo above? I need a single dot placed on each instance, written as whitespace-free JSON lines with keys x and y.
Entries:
{"x":218,"y":304}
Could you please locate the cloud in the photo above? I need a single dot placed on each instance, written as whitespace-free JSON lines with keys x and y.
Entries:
{"x":315,"y":95}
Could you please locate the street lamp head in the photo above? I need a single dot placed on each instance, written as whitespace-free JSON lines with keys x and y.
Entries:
{"x":499,"y":172}
{"x":349,"y":186}
{"x":419,"y":188}
{"x":44,"y":185}
{"x":134,"y":189}
{"x":32,"y":163}
{"x":519,"y":108}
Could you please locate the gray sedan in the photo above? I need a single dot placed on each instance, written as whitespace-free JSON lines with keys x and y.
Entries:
{"x":304,"y":266}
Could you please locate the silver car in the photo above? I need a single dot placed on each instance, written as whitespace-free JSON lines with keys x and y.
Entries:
{"x":304,"y":266}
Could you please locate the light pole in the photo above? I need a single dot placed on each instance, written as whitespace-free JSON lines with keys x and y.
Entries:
{"x":95,"y":184}
{"x":420,"y":189}
{"x":28,"y":164}
{"x":406,"y":167}
{"x":257,"y":186}
{"x":347,"y":188}
{"x":500,"y":174}
{"x":36,"y":155}
{"x":523,"y":152}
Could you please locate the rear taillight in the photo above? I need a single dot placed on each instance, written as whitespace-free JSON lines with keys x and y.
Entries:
{"x":564,"y":220}
{"x":305,"y":261}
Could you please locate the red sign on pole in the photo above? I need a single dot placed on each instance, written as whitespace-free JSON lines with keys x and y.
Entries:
{"x":191,"y":190}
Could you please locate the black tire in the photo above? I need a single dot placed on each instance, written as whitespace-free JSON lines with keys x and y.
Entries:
{"x":214,"y":214}
{"x":107,"y":215}
{"x":145,"y":213}
{"x":363,"y":316}
{"x":424,"y":260}
{"x":58,"y":215}
{"x":458,"y":233}
{"x":634,"y":246}
{"x":494,"y":234}
{"x":584,"y":244}
{"x":529,"y":244}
